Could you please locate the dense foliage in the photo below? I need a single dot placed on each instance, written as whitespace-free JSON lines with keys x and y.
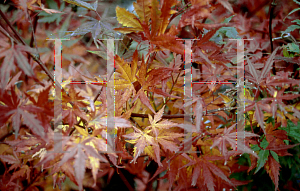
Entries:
{"x":157,"y":145}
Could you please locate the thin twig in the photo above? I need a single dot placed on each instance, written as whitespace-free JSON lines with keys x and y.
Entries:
{"x":36,"y":57}
{"x":6,"y":33}
{"x":173,"y":86}
{"x":12,"y":28}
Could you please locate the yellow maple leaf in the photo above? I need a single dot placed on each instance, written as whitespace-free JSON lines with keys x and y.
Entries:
{"x":226,"y":99}
{"x":142,"y":9}
{"x":164,"y":124}
{"x":128,"y":19}
{"x":83,"y":132}
{"x":127,"y":72}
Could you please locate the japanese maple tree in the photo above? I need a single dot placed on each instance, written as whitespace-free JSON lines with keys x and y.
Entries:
{"x":146,"y":140}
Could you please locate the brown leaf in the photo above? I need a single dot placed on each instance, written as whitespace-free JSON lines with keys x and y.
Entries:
{"x":272,"y":168}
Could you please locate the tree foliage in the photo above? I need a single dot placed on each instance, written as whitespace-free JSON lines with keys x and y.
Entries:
{"x":156,"y":147}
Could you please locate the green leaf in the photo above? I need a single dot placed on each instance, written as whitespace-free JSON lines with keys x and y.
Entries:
{"x":227,"y":20}
{"x":264,"y":143}
{"x":263,"y":157}
{"x":84,"y":4}
{"x":296,"y":21}
{"x":293,"y":130}
{"x":229,"y":32}
{"x":292,"y":47}
{"x":296,"y":2}
{"x":275,"y":156}
{"x":255,"y":148}
{"x":100,"y":53}
{"x":49,"y":18}
{"x":271,"y":120}
{"x":285,"y":52}
{"x":64,"y":27}
{"x":286,"y":142}
{"x":293,"y":11}
{"x":290,"y":29}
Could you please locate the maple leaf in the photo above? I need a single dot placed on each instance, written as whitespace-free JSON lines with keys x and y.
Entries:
{"x":118,"y":121}
{"x":195,"y":13}
{"x":12,"y":106}
{"x":149,"y":139}
{"x":164,"y":124}
{"x":128,"y":19}
{"x":166,"y":13}
{"x":278,"y":96}
{"x":84,"y":4}
{"x":255,"y":77}
{"x":272,"y":167}
{"x":142,"y":9}
{"x":232,"y":139}
{"x":127,"y":72}
{"x":259,"y":106}
{"x":45,"y":105}
{"x":169,"y":42}
{"x":79,"y":153}
{"x":24,"y":170}
{"x":159,"y":23}
{"x":198,"y":110}
{"x":142,"y":139}
{"x":148,"y":80}
{"x":13,"y":81}
{"x":10,"y":159}
{"x":98,"y":29}
{"x":72,"y":104}
{"x":204,"y":168}
{"x":12,"y":56}
{"x":227,"y":5}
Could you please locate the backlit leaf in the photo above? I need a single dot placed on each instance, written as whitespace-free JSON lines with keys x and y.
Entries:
{"x":127,"y":19}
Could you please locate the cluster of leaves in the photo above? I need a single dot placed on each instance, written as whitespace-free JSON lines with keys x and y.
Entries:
{"x":153,"y":145}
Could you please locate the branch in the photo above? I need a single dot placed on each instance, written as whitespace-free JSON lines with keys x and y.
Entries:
{"x":12,"y":28}
{"x":6,"y":33}
{"x":35,"y":57}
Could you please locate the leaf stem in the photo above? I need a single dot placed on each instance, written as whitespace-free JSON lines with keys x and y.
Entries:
{"x":173,"y":86}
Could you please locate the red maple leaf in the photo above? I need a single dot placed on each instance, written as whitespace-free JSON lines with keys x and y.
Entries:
{"x":234,"y":139}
